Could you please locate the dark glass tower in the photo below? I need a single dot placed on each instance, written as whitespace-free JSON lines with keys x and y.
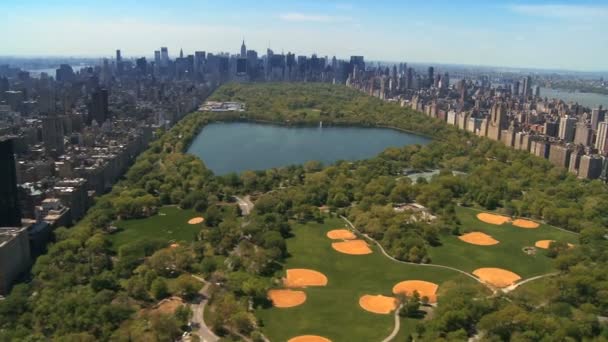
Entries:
{"x":10,"y":215}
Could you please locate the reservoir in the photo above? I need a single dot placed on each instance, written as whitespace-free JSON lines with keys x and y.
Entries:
{"x":236,"y":147}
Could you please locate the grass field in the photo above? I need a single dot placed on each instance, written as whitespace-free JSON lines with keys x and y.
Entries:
{"x":508,"y":254}
{"x":170,"y":224}
{"x":333,"y":311}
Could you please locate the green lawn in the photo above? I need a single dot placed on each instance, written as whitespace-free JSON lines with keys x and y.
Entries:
{"x":508,"y":254}
{"x":171,"y":224}
{"x":333,"y":311}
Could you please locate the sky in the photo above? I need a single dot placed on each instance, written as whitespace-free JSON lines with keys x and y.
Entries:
{"x":569,"y":35}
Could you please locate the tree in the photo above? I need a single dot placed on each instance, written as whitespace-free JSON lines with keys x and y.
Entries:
{"x":159,"y":288}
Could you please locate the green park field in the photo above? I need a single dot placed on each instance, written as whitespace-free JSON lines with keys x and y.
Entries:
{"x":507,"y":254}
{"x":333,"y":311}
{"x":169,"y":224}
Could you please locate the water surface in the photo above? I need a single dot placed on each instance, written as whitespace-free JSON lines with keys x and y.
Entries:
{"x":236,"y":147}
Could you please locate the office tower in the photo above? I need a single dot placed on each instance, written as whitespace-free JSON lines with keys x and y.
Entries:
{"x":119,"y":65}
{"x":526,"y":86}
{"x":463,"y":90}
{"x":142,"y":65}
{"x":64,"y":73}
{"x":357,"y":61}
{"x":445,"y":81}
{"x":10,"y":214}
{"x":157,"y":58}
{"x":164,"y":56}
{"x":583,"y":134}
{"x":567,"y":126}
{"x":98,"y":107}
{"x":515,"y":88}
{"x":431,"y":76}
{"x":601,"y":142}
{"x":243,"y":49}
{"x":52,"y":133}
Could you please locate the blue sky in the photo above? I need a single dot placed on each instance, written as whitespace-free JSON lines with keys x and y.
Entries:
{"x":543,"y":34}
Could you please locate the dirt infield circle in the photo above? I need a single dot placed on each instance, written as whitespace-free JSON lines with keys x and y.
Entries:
{"x":286,"y":298}
{"x":544,"y":244}
{"x":479,"y":239}
{"x":526,"y":224}
{"x":492,"y":218}
{"x":424,"y":289}
{"x":301,"y":277}
{"x":378,"y":304}
{"x":352,"y":247}
{"x":497,"y":277}
{"x":341,"y":234}
{"x":196,"y":220}
{"x":309,"y":338}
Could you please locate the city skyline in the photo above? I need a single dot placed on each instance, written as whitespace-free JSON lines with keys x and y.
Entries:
{"x":534,"y":34}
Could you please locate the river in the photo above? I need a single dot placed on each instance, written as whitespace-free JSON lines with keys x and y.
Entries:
{"x":236,"y":147}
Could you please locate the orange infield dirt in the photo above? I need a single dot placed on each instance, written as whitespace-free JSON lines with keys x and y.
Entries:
{"x":309,"y":338}
{"x":492,"y":218}
{"x":424,"y":288}
{"x":353,"y":247}
{"x":378,"y":304}
{"x":286,"y":298}
{"x":196,"y":220}
{"x":341,"y":234}
{"x":526,"y":224}
{"x":301,"y":277}
{"x":496,"y":276}
{"x":477,"y":238}
{"x":544,"y":244}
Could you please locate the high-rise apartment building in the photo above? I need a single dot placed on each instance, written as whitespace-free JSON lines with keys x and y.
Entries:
{"x":10,"y":214}
{"x":601,"y":141}
{"x":567,"y":127}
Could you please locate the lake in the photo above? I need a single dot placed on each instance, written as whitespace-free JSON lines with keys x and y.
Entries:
{"x":236,"y":147}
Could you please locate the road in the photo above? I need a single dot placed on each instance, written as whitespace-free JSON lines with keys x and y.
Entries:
{"x":198,"y":312}
{"x":245,"y":204}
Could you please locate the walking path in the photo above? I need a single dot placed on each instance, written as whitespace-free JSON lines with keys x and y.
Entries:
{"x":397,"y":326}
{"x":245,"y":204}
{"x":516,"y":285}
{"x":198,"y":312}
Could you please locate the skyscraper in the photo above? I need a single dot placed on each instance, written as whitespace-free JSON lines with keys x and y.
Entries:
{"x":98,"y":107}
{"x":525,"y":91}
{"x":431,"y":76}
{"x":164,"y":56}
{"x":601,"y":142}
{"x":243,"y":50}
{"x":52,"y":134}
{"x":567,"y":126}
{"x":10,"y":214}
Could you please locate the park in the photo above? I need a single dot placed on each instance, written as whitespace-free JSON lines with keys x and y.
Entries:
{"x":357,"y":298}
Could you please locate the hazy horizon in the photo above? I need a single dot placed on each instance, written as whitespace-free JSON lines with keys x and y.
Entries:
{"x":534,"y":34}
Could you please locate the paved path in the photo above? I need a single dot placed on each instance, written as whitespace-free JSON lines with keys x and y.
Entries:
{"x":516,"y":285}
{"x":245,"y":204}
{"x":198,"y":312}
{"x":397,"y":326}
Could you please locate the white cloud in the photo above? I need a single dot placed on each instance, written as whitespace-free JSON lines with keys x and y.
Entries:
{"x":313,"y":18}
{"x":562,"y":11}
